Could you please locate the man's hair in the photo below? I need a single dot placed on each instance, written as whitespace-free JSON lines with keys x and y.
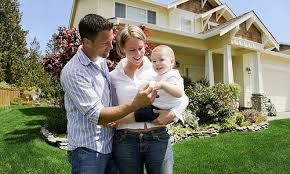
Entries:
{"x":127,"y":33}
{"x":91,"y":24}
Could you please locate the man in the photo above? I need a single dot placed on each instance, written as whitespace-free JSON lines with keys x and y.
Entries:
{"x":88,"y":98}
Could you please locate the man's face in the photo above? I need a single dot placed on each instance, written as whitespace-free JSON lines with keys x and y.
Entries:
{"x":102,"y":45}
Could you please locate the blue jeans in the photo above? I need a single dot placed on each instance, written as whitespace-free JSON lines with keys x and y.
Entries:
{"x":132,"y":150}
{"x":88,"y":161}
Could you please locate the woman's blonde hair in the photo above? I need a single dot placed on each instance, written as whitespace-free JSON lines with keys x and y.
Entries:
{"x":127,"y":33}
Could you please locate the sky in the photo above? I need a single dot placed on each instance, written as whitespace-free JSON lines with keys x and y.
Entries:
{"x":43,"y":17}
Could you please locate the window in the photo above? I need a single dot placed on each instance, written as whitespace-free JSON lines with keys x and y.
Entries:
{"x":134,"y":13}
{"x":151,"y":15}
{"x":120,"y":10}
{"x":185,"y":25}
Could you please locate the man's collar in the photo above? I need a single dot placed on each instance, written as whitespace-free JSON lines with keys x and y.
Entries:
{"x":83,"y":58}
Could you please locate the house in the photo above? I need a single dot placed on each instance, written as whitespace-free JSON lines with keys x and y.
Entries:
{"x":210,"y":42}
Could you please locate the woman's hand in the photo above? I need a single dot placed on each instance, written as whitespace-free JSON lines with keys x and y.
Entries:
{"x":165,"y":117}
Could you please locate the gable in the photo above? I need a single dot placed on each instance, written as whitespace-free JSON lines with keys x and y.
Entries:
{"x":252,"y":33}
{"x":195,"y":6}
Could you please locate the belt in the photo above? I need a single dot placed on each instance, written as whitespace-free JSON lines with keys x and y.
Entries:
{"x":146,"y":131}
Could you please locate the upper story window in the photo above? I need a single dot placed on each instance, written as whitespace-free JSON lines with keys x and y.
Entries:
{"x":134,"y":13}
{"x":185,"y":24}
{"x":120,"y":10}
{"x":151,"y":16}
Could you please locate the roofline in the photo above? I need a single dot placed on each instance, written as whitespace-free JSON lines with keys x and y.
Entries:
{"x":266,"y":29}
{"x":73,"y":13}
{"x":250,"y":14}
{"x":177,"y":2}
{"x":156,"y":3}
{"x":230,"y":10}
{"x":284,"y":43}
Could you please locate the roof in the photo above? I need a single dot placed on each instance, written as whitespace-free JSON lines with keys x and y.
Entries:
{"x":177,"y":2}
{"x":235,"y":22}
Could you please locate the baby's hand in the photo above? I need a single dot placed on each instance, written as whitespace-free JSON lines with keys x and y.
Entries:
{"x":158,"y":85}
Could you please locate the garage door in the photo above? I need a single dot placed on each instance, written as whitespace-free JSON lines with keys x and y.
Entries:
{"x":277,"y":86}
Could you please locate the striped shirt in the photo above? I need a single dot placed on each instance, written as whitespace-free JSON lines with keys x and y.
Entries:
{"x":86,"y":86}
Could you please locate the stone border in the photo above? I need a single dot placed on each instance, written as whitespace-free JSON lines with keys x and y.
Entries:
{"x":53,"y":140}
{"x":174,"y":138}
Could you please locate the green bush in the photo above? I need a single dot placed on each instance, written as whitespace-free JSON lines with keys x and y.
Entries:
{"x":56,"y":121}
{"x":186,"y":81}
{"x":212,"y":104}
{"x":190,"y":120}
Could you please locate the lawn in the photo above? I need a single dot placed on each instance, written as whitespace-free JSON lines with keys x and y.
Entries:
{"x":266,"y":151}
{"x":21,"y":148}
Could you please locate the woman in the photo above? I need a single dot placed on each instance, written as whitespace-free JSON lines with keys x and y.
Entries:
{"x":140,"y":143}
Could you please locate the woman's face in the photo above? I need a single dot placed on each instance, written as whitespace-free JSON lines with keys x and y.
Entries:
{"x":134,"y":50}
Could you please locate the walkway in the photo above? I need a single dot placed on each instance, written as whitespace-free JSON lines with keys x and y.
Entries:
{"x":280,"y":115}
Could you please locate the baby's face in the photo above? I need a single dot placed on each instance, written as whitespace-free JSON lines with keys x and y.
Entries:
{"x":161,"y":61}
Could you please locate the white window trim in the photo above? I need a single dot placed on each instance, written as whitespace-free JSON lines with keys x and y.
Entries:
{"x":146,"y":9}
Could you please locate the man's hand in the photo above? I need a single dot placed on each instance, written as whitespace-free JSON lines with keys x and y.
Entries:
{"x":165,"y":117}
{"x":113,"y":124}
{"x":144,"y":97}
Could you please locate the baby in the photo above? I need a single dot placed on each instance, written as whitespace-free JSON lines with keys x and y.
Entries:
{"x":169,"y":84}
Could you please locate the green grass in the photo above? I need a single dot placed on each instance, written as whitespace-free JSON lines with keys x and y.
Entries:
{"x":21,"y":148}
{"x":266,"y":151}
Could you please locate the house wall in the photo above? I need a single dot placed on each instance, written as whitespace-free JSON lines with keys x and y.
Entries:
{"x":177,"y":40}
{"x":175,"y":16}
{"x":276,"y":78}
{"x":107,"y":9}
{"x":218,"y":68}
{"x":193,"y":63}
{"x":239,"y":76}
{"x":252,"y":34}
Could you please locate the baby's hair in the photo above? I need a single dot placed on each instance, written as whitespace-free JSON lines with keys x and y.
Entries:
{"x":167,"y":49}
{"x":127,"y":33}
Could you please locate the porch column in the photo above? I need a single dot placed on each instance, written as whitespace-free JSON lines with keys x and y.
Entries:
{"x":258,"y":82}
{"x":209,"y":75}
{"x":228,"y":65}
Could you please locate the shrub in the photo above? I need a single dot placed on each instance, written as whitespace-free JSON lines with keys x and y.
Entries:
{"x":56,"y":121}
{"x":211,"y":104}
{"x":253,"y":116}
{"x":190,"y":120}
{"x":186,"y":81}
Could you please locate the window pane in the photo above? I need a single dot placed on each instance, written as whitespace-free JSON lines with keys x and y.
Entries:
{"x":185,"y":25}
{"x":136,"y":14}
{"x":120,"y":10}
{"x":151,"y":17}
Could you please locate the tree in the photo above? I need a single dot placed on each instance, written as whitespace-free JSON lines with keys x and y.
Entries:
{"x":12,"y":39}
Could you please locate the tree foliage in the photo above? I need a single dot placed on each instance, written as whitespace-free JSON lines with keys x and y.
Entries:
{"x":12,"y":39}
{"x":65,"y":43}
